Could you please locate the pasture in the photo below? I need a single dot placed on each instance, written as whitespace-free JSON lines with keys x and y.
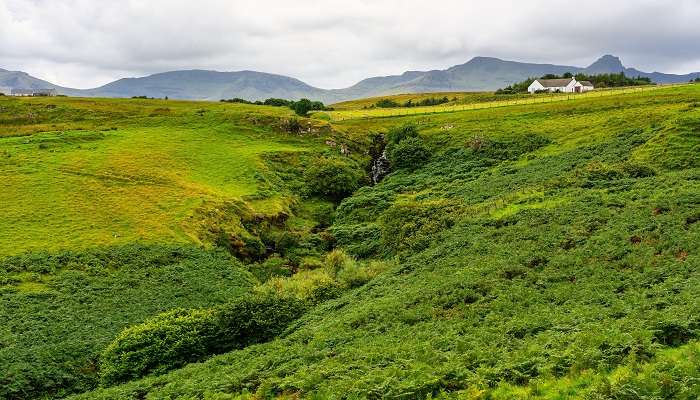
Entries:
{"x":81,"y":172}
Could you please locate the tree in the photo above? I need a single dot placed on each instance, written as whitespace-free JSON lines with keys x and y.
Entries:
{"x":410,"y":153}
{"x":333,"y":178}
{"x":402,"y":132}
{"x":303,"y":106}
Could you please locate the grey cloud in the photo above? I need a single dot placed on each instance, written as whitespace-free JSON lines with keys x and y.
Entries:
{"x":334,"y":43}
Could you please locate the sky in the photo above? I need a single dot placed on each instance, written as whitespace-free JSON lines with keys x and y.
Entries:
{"x":334,"y":44}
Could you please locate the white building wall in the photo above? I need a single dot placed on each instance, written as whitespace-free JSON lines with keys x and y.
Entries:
{"x":535,"y":86}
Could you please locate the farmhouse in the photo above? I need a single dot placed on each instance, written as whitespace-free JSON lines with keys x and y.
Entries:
{"x":33,"y":92}
{"x":566,"y":85}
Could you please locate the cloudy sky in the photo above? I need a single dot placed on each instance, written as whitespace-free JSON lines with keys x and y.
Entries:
{"x":331,"y":44}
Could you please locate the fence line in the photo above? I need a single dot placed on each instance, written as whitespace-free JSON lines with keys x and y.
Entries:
{"x":535,"y":99}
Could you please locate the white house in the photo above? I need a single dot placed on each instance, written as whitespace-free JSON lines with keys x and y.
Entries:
{"x":586,"y":86}
{"x":566,"y":85}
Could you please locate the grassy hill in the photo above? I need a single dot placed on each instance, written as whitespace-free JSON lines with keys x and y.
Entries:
{"x":542,"y":251}
{"x":80,"y":173}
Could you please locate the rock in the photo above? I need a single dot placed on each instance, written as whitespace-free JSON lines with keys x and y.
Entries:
{"x":380,"y":168}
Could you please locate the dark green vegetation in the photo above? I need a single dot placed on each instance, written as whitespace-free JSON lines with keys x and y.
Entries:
{"x":334,"y":179}
{"x":300,"y":107}
{"x":426,"y":102}
{"x":545,"y":251}
{"x":59,"y":311}
{"x":173,"y":339}
{"x":541,"y":251}
{"x":598,"y":80}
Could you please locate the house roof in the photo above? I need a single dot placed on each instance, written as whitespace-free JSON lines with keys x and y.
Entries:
{"x":555,"y":82}
{"x":586,"y":83}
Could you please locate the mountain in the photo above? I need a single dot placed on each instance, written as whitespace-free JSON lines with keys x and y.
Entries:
{"x":478,"y":74}
{"x":210,"y":85}
{"x":21,"y":80}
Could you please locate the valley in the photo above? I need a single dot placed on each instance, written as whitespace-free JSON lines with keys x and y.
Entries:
{"x":174,"y":249}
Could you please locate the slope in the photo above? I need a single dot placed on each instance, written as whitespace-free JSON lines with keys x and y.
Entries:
{"x":88,"y":172}
{"x":210,"y":85}
{"x":544,"y":251}
{"x":21,"y":80}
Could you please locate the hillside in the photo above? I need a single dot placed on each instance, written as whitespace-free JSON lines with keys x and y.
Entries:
{"x":94,"y":172}
{"x":117,"y":210}
{"x":21,"y":80}
{"x":538,"y":251}
{"x":210,"y":85}
{"x":478,"y":74}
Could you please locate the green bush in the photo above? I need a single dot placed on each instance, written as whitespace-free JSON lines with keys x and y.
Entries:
{"x":303,"y":106}
{"x":410,"y":153}
{"x":336,"y":261}
{"x":333,"y":178}
{"x":399,"y":133}
{"x":164,"y":342}
{"x":175,"y":338}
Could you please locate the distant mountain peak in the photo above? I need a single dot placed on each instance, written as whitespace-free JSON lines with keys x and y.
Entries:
{"x":607,"y":63}
{"x":478,"y":74}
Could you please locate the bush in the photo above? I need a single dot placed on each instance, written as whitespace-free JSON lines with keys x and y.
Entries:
{"x":303,"y":106}
{"x":271,"y":267}
{"x":164,"y":342}
{"x":387,"y":103}
{"x":402,"y":132}
{"x":313,"y":286}
{"x":410,"y":153}
{"x":175,"y":338}
{"x":336,"y":261}
{"x":333,"y":178}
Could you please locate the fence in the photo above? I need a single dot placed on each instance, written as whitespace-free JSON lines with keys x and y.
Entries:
{"x":534,"y":99}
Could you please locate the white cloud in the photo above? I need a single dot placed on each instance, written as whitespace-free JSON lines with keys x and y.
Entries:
{"x":84,"y":43}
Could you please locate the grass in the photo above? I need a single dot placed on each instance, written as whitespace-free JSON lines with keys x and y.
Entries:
{"x":474,"y":101}
{"x":101,"y":172}
{"x":60,"y":311}
{"x":545,"y":251}
{"x":454,"y":97}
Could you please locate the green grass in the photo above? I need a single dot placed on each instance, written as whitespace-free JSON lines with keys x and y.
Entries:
{"x":454,"y":97}
{"x":545,"y":251}
{"x":476,"y":101}
{"x":58,"y":312}
{"x":83,"y":172}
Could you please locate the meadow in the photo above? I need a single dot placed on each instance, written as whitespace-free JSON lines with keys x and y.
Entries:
{"x":79,"y":173}
{"x":529,"y":251}
{"x":462,"y":102}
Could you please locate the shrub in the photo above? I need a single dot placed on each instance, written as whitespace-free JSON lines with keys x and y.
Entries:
{"x":164,"y":342}
{"x":410,"y":153}
{"x":333,"y":178}
{"x":387,"y":103}
{"x":312,"y":286}
{"x":271,"y":267}
{"x":175,"y":338}
{"x":336,"y":261}
{"x":303,"y":106}
{"x":399,"y":133}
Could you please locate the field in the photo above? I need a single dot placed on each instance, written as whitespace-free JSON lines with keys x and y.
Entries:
{"x":528,"y":251}
{"x":92,"y":172}
{"x":453,"y":97}
{"x":461,"y":102}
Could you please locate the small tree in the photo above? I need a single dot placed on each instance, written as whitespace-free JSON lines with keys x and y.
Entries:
{"x":333,"y":178}
{"x":409,"y":153}
{"x":402,"y":132}
{"x":303,"y":106}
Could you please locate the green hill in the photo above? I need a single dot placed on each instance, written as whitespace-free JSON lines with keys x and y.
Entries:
{"x":540,"y":251}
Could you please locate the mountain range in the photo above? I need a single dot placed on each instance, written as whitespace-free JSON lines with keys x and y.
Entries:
{"x":478,"y":74}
